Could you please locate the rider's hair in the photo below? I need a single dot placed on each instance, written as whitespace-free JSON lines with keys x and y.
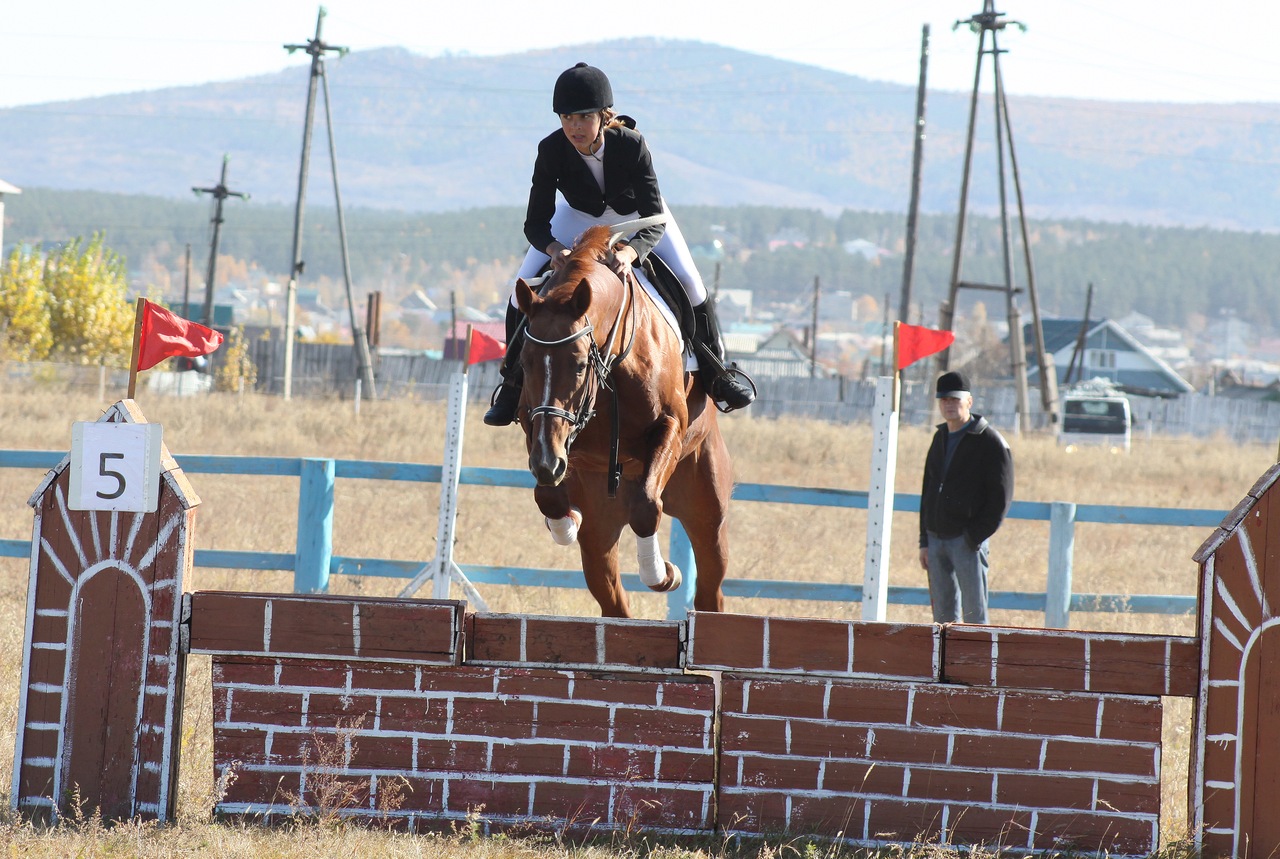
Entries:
{"x":609,"y":119}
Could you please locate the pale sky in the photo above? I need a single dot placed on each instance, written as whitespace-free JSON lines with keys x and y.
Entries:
{"x":1132,"y":50}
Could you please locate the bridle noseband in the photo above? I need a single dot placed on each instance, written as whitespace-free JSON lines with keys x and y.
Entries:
{"x":599,"y":368}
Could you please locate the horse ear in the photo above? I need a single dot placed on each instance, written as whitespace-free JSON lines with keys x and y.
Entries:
{"x":524,"y":296}
{"x":582,"y":297}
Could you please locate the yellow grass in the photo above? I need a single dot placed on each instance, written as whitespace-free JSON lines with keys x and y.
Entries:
{"x":503,"y":527}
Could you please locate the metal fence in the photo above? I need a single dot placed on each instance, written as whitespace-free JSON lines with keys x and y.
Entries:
{"x":328,"y":370}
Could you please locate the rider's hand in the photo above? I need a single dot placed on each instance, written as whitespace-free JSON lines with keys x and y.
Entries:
{"x":559,"y":255}
{"x":624,"y":256}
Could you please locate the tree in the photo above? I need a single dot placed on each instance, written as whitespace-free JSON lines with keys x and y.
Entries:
{"x":90,"y":315}
{"x":236,"y":370}
{"x":24,"y":310}
{"x":69,"y":305}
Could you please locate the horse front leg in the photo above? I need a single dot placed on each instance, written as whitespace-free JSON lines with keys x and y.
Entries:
{"x":598,"y":543}
{"x":562,"y":519}
{"x":657,"y":573}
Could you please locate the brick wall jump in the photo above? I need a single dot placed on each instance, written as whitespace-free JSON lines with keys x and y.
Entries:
{"x":874,"y":733}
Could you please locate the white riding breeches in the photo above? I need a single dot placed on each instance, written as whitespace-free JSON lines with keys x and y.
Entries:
{"x":568,"y":223}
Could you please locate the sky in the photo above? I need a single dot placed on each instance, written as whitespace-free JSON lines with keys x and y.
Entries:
{"x":1120,"y":50}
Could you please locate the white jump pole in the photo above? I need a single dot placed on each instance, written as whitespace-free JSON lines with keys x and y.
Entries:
{"x":441,"y":569}
{"x":884,"y":458}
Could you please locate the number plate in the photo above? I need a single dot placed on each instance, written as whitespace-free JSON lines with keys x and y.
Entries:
{"x":115,"y":467}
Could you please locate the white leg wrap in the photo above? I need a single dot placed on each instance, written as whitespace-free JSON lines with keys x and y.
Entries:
{"x":653,"y":570}
{"x":565,"y":531}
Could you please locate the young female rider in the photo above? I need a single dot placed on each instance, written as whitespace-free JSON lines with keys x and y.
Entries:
{"x":602,"y":169}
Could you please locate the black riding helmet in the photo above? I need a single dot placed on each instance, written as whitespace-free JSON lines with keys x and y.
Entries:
{"x":581,"y":89}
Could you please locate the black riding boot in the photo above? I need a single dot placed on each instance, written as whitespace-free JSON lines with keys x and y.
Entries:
{"x":722,"y":382}
{"x":506,"y":397}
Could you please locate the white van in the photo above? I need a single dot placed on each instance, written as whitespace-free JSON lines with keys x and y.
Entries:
{"x":1092,"y":418}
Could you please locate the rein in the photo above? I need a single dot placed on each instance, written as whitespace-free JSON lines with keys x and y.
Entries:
{"x":601,"y":363}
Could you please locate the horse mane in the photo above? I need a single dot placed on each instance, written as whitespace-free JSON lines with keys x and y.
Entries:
{"x":592,"y":247}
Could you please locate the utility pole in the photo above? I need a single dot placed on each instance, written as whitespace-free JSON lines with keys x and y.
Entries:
{"x":186,"y":285}
{"x":1078,"y":352}
{"x":988,"y":21}
{"x":317,"y":48}
{"x":219,"y":193}
{"x":813,"y":347}
{"x":917,"y":162}
{"x":359,"y":336}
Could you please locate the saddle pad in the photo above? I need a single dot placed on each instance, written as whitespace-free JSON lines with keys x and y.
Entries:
{"x":690,"y":362}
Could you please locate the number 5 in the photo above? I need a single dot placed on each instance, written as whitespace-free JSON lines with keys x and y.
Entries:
{"x":107,"y":472}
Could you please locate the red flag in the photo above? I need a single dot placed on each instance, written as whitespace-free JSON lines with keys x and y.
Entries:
{"x":166,"y":335}
{"x":484,"y":348}
{"x":916,"y":342}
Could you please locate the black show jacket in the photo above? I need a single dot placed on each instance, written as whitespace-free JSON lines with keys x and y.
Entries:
{"x":630,"y":186}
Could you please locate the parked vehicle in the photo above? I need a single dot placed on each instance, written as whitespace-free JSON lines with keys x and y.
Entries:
{"x":1095,"y":413}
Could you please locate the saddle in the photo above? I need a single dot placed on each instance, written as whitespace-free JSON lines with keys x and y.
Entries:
{"x":668,"y":287}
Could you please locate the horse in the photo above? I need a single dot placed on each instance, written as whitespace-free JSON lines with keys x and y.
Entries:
{"x":597,"y":347}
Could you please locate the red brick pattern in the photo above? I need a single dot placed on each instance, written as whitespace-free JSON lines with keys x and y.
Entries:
{"x":728,"y":642}
{"x":427,"y":743}
{"x":573,"y":642}
{"x":1071,"y":661}
{"x":327,"y":626}
{"x":873,"y":761}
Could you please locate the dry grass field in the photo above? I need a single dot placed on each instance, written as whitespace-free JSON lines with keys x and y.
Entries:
{"x":503,"y":527}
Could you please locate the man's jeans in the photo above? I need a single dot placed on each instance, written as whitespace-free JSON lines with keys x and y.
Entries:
{"x":957,"y":579}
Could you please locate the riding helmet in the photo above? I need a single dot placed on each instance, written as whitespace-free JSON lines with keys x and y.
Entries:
{"x":581,"y":89}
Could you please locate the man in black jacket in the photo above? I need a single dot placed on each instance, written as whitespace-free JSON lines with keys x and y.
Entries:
{"x":968,"y":487}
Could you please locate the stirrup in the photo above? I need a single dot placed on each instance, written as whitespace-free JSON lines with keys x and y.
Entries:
{"x":504,"y":404}
{"x":729,"y":393}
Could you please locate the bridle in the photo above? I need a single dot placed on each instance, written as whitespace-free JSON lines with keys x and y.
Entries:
{"x":600,"y":364}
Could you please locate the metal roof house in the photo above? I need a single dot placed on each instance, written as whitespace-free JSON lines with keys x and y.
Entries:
{"x":1110,"y":352}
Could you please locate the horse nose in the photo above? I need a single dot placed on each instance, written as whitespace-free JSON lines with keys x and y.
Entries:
{"x":547,"y":468}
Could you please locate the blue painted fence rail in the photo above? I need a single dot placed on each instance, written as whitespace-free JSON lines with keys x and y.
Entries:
{"x":313,"y":561}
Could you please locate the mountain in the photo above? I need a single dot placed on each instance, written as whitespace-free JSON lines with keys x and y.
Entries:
{"x":727,"y":127}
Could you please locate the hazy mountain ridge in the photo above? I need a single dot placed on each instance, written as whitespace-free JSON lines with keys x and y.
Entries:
{"x":727,"y":127}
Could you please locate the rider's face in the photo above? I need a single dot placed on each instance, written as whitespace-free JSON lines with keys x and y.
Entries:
{"x":582,"y":129}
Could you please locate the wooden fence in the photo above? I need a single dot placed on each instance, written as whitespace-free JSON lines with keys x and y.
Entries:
{"x":315,"y":558}
{"x":424,"y":715}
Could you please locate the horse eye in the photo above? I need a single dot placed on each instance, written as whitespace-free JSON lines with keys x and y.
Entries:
{"x":580,"y":368}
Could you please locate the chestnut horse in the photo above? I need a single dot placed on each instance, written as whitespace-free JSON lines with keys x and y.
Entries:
{"x":598,"y":347}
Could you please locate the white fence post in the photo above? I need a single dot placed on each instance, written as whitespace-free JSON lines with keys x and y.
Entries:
{"x":1062,"y":546}
{"x":884,"y":458}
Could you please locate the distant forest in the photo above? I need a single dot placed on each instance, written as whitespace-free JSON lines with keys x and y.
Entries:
{"x":1178,"y":276}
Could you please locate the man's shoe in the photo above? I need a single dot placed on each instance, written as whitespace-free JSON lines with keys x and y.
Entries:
{"x":727,"y":389}
{"x":506,"y":403}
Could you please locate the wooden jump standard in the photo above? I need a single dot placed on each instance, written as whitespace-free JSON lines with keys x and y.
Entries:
{"x":426,"y":714}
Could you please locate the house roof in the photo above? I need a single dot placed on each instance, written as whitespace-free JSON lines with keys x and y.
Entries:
{"x":1152,"y":376}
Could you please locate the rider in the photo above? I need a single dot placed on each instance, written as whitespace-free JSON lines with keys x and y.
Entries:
{"x":603,"y":171}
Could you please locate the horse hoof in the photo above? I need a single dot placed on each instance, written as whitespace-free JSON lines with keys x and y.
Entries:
{"x":672,"y":582}
{"x":565,"y":531}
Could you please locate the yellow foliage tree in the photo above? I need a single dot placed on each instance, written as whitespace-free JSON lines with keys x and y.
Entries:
{"x":24,"y":311}
{"x":90,"y":315}
{"x":235,"y":367}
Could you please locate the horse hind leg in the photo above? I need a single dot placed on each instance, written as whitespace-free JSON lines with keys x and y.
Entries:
{"x":656,"y":573}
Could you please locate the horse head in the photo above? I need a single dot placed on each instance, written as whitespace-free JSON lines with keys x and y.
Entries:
{"x":562,"y":360}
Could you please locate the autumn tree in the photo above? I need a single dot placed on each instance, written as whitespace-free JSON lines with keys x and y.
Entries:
{"x":24,"y":310}
{"x":90,"y":314}
{"x":71,"y":304}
